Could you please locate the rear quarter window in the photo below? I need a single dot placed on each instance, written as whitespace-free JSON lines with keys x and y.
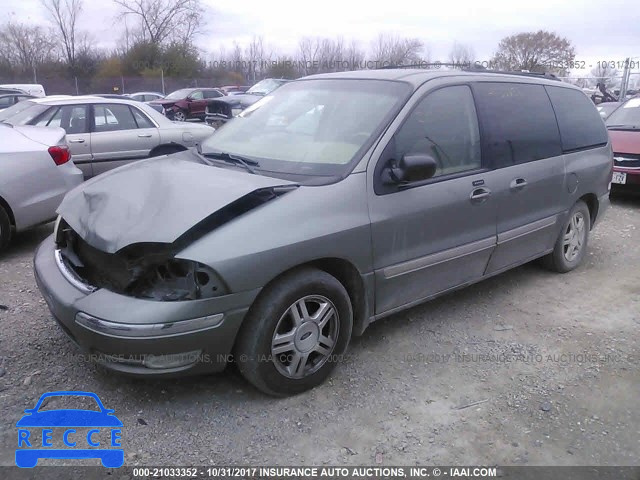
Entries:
{"x":580,"y":124}
{"x":518,"y":122}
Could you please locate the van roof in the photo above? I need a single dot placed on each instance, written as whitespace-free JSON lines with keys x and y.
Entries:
{"x":418,"y":76}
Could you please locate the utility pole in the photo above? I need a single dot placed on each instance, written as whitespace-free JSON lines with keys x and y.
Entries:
{"x":625,"y":81}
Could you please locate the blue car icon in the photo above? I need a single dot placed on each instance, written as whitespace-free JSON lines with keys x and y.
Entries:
{"x":30,"y":449}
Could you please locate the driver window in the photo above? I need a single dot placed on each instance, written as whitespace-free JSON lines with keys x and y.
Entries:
{"x":197,"y":95}
{"x":443,"y":125}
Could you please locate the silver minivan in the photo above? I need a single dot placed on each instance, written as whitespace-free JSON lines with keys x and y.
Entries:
{"x":332,"y":202}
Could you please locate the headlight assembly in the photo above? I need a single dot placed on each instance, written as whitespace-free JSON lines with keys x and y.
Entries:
{"x":178,"y":279}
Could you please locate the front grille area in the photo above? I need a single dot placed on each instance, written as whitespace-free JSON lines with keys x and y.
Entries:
{"x":626,"y":160}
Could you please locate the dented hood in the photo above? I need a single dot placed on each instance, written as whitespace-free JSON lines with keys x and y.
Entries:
{"x":155,"y":200}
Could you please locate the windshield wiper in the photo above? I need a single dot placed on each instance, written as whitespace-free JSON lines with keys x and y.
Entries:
{"x":228,"y":157}
{"x":624,"y":126}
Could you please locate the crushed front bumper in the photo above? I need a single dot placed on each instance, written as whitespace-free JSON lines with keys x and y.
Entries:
{"x":137,"y":336}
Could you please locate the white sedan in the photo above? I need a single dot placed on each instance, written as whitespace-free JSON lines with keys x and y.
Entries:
{"x":35,"y":174}
{"x":105,"y":133}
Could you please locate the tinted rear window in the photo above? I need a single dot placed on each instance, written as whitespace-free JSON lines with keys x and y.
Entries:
{"x":519,"y":125}
{"x":581,"y":125}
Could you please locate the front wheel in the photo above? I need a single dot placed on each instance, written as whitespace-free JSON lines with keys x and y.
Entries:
{"x":179,"y":116}
{"x":295,"y":333}
{"x":571,"y":244}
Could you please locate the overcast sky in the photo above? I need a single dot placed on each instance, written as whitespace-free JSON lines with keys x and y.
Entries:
{"x":599,"y":30}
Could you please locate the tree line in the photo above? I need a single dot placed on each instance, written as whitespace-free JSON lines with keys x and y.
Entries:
{"x":159,"y":40}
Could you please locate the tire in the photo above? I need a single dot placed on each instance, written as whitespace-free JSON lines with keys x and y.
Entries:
{"x":571,"y":244}
{"x":5,"y":229}
{"x":319,"y":341}
{"x":179,"y":116}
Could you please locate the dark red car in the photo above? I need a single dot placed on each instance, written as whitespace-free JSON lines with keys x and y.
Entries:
{"x":187,"y":103}
{"x":624,"y":131}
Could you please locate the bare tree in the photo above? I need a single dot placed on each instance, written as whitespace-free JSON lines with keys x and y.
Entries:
{"x":26,"y":47}
{"x":163,"y":21}
{"x":320,"y":55}
{"x":536,"y":52}
{"x":65,"y":15}
{"x":461,"y":54}
{"x":395,"y":50}
{"x":354,"y":56}
{"x":257,"y":59}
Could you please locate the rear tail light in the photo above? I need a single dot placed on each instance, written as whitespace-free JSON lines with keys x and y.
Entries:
{"x":60,"y":154}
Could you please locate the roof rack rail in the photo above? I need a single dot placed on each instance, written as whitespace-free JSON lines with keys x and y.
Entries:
{"x":471,"y":68}
{"x":548,"y":75}
{"x":426,"y":65}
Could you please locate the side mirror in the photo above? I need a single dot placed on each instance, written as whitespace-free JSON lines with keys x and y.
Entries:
{"x":410,"y":168}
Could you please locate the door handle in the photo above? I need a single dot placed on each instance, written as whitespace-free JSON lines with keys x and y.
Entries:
{"x":77,"y":140}
{"x":518,"y":184}
{"x":479,"y":195}
{"x":144,"y":135}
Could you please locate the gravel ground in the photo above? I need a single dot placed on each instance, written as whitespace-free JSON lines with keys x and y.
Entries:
{"x":527,"y":368}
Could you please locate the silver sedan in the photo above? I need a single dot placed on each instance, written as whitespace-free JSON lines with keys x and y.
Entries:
{"x":105,"y":133}
{"x":36,"y":173}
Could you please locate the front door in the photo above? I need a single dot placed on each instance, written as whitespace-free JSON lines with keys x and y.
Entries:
{"x":118,"y":137}
{"x":440,"y":233}
{"x":197,"y":104}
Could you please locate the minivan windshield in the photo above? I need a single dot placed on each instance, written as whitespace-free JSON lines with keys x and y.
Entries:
{"x":310,"y":127}
{"x":627,"y":116}
{"x":22,"y":112}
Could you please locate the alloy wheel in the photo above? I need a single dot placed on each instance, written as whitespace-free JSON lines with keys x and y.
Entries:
{"x":305,"y":336}
{"x":574,"y":237}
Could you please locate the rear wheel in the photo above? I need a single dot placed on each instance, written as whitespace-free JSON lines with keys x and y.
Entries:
{"x":5,"y":229}
{"x":571,"y":245}
{"x":295,"y":333}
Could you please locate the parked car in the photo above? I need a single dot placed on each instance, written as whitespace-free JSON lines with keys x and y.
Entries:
{"x":234,"y":89}
{"x":9,"y":99}
{"x":624,"y":130}
{"x":34,"y":89}
{"x":5,"y":91}
{"x":221,"y":110}
{"x":337,"y":200}
{"x":187,"y":103}
{"x":36,"y":173}
{"x":607,"y":108}
{"x":157,"y":108}
{"x":145,"y":96}
{"x":105,"y":133}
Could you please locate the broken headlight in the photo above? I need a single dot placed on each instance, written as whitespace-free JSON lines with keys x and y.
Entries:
{"x":177,"y":279}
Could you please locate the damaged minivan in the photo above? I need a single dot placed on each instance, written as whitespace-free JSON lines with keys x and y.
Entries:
{"x":332,"y":202}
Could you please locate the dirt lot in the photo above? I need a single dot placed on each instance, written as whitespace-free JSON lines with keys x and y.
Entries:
{"x":552,"y":360}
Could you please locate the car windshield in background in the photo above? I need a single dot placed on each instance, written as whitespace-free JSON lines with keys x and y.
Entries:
{"x":627,"y":116}
{"x":264,"y":87}
{"x":310,"y":127}
{"x":22,"y":113}
{"x":178,"y":94}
